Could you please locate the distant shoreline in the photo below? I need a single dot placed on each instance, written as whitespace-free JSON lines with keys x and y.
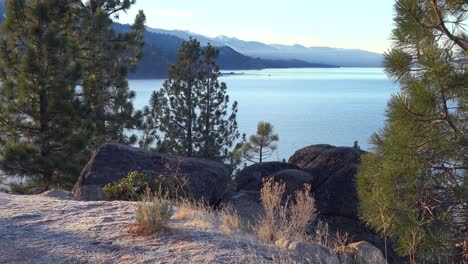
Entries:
{"x":237,"y":72}
{"x":231,"y":73}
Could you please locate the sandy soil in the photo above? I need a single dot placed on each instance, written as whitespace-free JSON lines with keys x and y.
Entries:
{"x":53,"y":228}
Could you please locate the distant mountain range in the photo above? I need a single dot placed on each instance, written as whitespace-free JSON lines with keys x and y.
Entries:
{"x":161,"y":48}
{"x":327,"y":55}
{"x":162,"y":45}
{"x":320,"y":55}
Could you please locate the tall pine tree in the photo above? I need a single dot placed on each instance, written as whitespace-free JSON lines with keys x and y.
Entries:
{"x":192,"y":106}
{"x":177,"y":101}
{"x":217,"y":128}
{"x":42,"y":129}
{"x":413,"y":188}
{"x":108,"y":56}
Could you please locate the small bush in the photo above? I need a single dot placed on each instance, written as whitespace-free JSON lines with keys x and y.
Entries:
{"x":152,"y":214}
{"x":129,"y":188}
{"x":284,"y":220}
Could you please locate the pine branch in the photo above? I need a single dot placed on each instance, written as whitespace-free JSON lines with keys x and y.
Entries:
{"x":462,"y":43}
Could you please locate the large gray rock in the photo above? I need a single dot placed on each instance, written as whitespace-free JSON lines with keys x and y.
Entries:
{"x":325,"y":160}
{"x":315,"y":253}
{"x":294,"y":180}
{"x":335,"y":167}
{"x":335,"y":191}
{"x":251,"y":177}
{"x":361,"y":253}
{"x":311,"y":253}
{"x":246,"y":203}
{"x":206,"y":179}
{"x":307,"y":155}
{"x":357,"y":231}
{"x":90,"y":193}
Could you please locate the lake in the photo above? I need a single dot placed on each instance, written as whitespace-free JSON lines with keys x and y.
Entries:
{"x":306,"y":106}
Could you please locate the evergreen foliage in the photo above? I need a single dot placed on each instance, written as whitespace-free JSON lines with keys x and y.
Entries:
{"x":64,"y":90}
{"x":129,"y":188}
{"x":413,"y":187}
{"x":191,"y":109}
{"x":217,"y":129}
{"x":149,"y":129}
{"x":42,"y":127}
{"x":132,"y":187}
{"x":177,"y":101}
{"x":261,"y":145}
{"x":108,"y":56}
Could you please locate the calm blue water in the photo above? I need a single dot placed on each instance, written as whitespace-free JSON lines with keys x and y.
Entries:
{"x":306,"y":106}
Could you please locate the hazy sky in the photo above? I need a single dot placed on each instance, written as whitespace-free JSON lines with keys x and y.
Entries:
{"x":361,"y":24}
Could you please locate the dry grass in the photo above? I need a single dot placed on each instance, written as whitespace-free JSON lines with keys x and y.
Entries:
{"x":284,"y":220}
{"x":190,"y":210}
{"x":184,"y":212}
{"x":230,"y":221}
{"x":322,"y":237}
{"x":152,"y":214}
{"x":95,"y":232}
{"x":196,"y":213}
{"x":225,"y":220}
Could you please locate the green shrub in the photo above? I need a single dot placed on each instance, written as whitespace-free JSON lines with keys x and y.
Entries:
{"x":129,"y":188}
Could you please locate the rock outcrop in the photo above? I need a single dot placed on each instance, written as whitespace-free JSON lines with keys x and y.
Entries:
{"x":335,"y":167}
{"x":246,"y":203}
{"x":251,"y":177}
{"x":335,"y":191}
{"x":331,"y":171}
{"x":248,"y":182}
{"x":294,"y":180}
{"x":206,"y":180}
{"x":360,"y":253}
{"x":312,"y":253}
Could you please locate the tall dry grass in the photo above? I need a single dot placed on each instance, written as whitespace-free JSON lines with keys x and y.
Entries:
{"x":230,"y":221}
{"x":284,"y":218}
{"x":152,"y":214}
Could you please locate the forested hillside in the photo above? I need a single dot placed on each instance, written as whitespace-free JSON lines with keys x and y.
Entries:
{"x":161,"y":49}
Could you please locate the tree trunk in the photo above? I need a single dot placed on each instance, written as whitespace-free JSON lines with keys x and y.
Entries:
{"x":385,"y":245}
{"x":44,"y":128}
{"x":43,"y":112}
{"x":100,"y":115}
{"x":208,"y":111}
{"x":261,"y":154}
{"x":189,"y":121}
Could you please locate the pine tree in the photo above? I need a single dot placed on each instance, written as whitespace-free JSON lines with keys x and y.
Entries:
{"x":260,"y":146}
{"x":108,"y":57}
{"x":216,"y":128}
{"x":177,"y":101}
{"x":191,"y":109}
{"x":413,"y":188}
{"x":43,"y":130}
